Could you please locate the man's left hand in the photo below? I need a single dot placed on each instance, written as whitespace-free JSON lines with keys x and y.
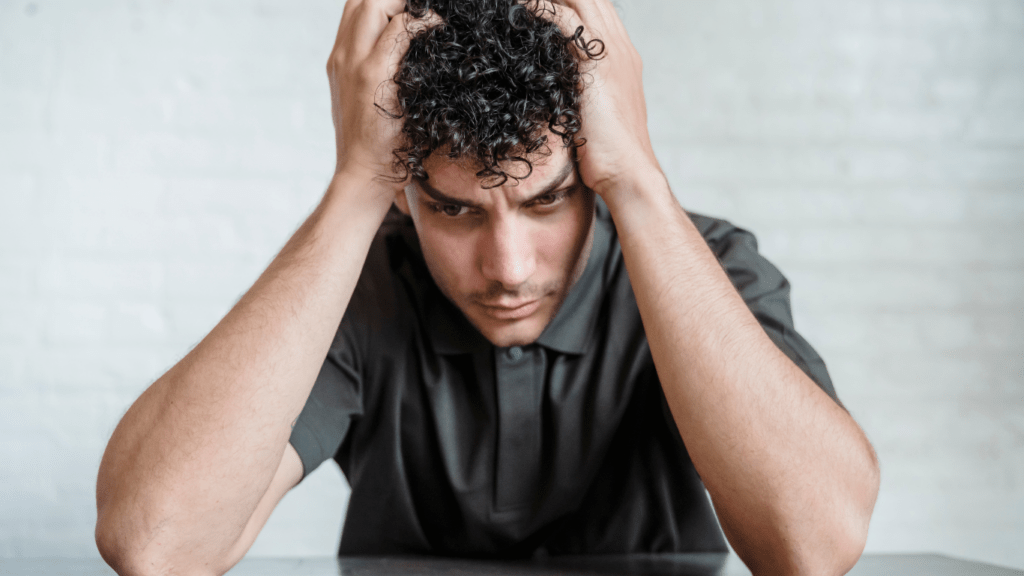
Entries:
{"x":618,"y":148}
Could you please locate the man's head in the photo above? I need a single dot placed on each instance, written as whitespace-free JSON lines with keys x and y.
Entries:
{"x":489,"y":100}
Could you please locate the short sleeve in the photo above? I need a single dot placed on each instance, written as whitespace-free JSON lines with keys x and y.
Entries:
{"x":335,"y":399}
{"x":766,"y":292}
{"x":338,"y":397}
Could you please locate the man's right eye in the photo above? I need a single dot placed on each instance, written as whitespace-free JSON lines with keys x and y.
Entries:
{"x":450,"y":210}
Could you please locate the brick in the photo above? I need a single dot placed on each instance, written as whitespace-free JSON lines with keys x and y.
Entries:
{"x":17,"y":278}
{"x":911,"y":288}
{"x":20,"y":321}
{"x":1008,"y":14}
{"x":126,"y":238}
{"x":900,"y":332}
{"x":995,"y":246}
{"x":953,"y":434}
{"x":13,"y":366}
{"x":212,"y":283}
{"x":1007,"y":91}
{"x":76,"y":323}
{"x":219,"y":195}
{"x":940,"y":165}
{"x":865,"y":379}
{"x":124,"y":370}
{"x":1005,"y":206}
{"x":762,"y":208}
{"x":29,"y":55}
{"x":138,"y":323}
{"x":78,"y":278}
{"x":962,"y":91}
{"x":109,"y":198}
{"x":935,"y":15}
{"x":913,"y":126}
{"x":1002,"y":128}
{"x":847,"y":164}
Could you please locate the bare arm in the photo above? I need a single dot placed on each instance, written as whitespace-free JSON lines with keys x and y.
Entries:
{"x":792,"y":477}
{"x":201,"y":458}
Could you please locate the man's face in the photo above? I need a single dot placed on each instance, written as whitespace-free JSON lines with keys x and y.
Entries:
{"x":505,"y":256}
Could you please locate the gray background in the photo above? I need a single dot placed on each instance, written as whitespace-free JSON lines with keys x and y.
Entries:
{"x":154,"y":155}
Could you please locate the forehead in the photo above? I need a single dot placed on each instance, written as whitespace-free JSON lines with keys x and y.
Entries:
{"x":458,"y":177}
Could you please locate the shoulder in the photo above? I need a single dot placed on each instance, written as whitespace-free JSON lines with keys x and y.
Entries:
{"x":381,"y":306}
{"x":722,"y":235}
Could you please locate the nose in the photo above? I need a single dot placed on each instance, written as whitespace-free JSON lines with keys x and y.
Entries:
{"x":507,"y":253}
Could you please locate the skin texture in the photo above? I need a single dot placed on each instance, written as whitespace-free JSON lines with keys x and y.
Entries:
{"x":201,"y":458}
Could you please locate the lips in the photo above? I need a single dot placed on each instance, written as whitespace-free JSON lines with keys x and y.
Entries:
{"x":512,"y":311}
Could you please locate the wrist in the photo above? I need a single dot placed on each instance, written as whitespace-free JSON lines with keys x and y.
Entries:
{"x":639,"y":196}
{"x":363,"y":190}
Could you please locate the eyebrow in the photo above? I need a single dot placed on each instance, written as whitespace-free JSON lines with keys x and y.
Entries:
{"x":558,"y":180}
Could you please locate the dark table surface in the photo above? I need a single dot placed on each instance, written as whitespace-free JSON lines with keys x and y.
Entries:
{"x":658,"y":565}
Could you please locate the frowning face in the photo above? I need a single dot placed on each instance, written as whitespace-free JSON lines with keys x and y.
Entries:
{"x":506,"y":256}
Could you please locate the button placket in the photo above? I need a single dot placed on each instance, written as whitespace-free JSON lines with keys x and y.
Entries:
{"x":518,"y":456}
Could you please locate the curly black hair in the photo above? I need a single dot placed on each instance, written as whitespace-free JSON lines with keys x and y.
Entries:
{"x":484,"y":83}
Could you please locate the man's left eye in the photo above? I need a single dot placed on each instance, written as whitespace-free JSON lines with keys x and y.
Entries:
{"x":548,"y":199}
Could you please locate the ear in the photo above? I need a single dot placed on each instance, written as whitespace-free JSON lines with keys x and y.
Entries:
{"x":402,"y":198}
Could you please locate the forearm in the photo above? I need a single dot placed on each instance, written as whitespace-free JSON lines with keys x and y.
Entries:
{"x":791,"y":475}
{"x":191,"y":459}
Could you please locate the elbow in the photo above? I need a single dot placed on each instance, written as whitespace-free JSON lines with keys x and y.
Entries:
{"x":826,"y":544}
{"x":852,"y":530}
{"x":841,"y":541}
{"x":139,"y":552}
{"x":833,"y":556}
{"x":117,"y":549}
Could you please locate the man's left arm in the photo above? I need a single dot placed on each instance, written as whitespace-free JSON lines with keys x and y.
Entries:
{"x":791,"y":475}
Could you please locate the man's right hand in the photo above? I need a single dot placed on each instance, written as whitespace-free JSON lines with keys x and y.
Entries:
{"x":372,"y":39}
{"x":198,"y":462}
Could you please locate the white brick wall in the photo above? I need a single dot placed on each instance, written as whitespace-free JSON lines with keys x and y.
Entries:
{"x":155,"y":155}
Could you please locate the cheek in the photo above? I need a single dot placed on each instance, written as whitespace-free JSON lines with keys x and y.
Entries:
{"x":560,"y":245}
{"x":449,"y":258}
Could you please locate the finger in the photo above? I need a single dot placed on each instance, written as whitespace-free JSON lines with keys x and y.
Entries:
{"x":362,"y":26}
{"x":585,"y":9}
{"x":567,"y":18}
{"x":394,"y":40}
{"x":597,"y":13}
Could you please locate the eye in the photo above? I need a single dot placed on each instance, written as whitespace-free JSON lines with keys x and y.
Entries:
{"x":450,"y":210}
{"x":546,"y":199}
{"x":550,"y":199}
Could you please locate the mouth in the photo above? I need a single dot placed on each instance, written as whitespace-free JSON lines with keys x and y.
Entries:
{"x":510,"y":311}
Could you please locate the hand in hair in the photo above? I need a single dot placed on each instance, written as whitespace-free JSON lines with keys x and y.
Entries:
{"x":618,"y":149}
{"x":372,"y":38}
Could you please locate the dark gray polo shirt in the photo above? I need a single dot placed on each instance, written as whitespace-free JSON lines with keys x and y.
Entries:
{"x":453,"y":446}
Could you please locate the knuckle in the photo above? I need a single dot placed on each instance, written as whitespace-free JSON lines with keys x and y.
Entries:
{"x":336,"y":63}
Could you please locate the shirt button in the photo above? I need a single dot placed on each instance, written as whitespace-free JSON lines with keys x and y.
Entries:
{"x":515,"y":353}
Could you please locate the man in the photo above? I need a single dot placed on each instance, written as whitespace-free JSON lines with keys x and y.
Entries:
{"x":498,"y":385}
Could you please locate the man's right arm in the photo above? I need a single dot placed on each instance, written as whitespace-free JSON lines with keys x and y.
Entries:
{"x":195,"y":454}
{"x":198,"y":462}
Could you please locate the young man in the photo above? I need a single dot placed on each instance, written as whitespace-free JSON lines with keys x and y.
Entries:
{"x":498,"y":385}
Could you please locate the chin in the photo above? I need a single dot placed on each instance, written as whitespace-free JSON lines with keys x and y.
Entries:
{"x":518,"y":333}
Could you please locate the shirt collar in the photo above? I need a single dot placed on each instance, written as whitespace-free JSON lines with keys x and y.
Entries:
{"x":570,"y":331}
